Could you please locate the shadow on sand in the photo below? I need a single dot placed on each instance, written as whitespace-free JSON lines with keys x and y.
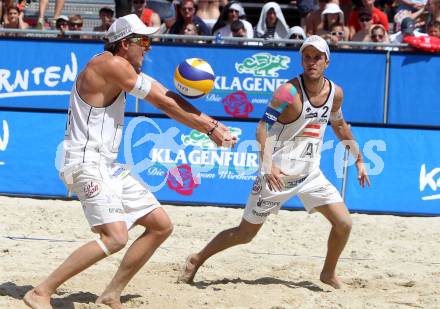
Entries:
{"x":261,"y":281}
{"x":15,"y":291}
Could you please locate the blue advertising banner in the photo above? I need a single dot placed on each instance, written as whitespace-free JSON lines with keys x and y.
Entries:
{"x":414,"y":97}
{"x":406,"y":171}
{"x":40,"y":74}
{"x":28,"y":144}
{"x":182,"y":165}
{"x":245,"y":77}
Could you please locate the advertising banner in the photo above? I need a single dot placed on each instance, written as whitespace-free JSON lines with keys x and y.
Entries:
{"x":405,"y":171}
{"x":245,"y":78}
{"x":182,"y":165}
{"x":28,"y":143}
{"x":414,"y":97}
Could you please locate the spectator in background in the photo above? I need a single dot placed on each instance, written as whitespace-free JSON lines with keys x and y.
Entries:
{"x":41,"y":23}
{"x":433,"y":8}
{"x":378,"y":17}
{"x":332,"y":14}
{"x":15,"y":19}
{"x":191,"y":29}
{"x":106,"y":16}
{"x":402,"y":14}
{"x":148,"y":16}
{"x":365,"y":18}
{"x":62,"y":25}
{"x":338,"y":33}
{"x":271,"y":23}
{"x":123,"y":7}
{"x":188,"y":15}
{"x":166,"y":11}
{"x":232,"y":12}
{"x":313,"y":19}
{"x":4,"y":4}
{"x":295,"y":33}
{"x":434,"y":29}
{"x":75,"y":24}
{"x":305,"y":8}
{"x":411,"y":5}
{"x":407,"y":28}
{"x":209,"y":11}
{"x":378,"y":34}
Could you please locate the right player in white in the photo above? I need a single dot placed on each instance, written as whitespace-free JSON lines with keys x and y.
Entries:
{"x":112,"y":199}
{"x":290,"y":137}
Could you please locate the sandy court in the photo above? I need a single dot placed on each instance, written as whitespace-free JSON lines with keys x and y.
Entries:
{"x":389,"y":262}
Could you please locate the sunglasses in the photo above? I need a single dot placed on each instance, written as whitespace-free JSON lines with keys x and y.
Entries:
{"x":364,"y":19}
{"x":144,"y":42}
{"x":377,"y":36}
{"x":76,"y":24}
{"x":233,"y":11}
{"x":337,"y":33}
{"x":187,"y":9}
{"x":296,"y":37}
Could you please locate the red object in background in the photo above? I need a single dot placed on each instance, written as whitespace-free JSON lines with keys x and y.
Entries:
{"x":426,"y":43}
{"x":181,"y":180}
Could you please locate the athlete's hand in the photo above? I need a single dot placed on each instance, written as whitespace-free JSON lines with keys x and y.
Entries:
{"x":221,"y":135}
{"x":362,"y":174}
{"x":274,"y":179}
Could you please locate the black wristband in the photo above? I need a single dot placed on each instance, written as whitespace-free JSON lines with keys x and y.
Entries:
{"x":209,"y":133}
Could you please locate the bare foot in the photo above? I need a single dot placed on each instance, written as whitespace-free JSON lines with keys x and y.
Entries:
{"x":188,"y":271}
{"x":109,"y":300}
{"x":331,"y":280}
{"x":36,"y":301}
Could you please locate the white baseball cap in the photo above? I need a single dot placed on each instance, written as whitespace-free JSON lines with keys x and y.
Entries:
{"x":126,"y":25}
{"x":317,"y":42}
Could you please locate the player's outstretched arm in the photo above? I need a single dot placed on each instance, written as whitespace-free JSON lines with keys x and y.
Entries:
{"x":120,"y":72}
{"x":344,"y":134}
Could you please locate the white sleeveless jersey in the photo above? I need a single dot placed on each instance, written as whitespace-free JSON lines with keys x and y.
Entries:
{"x":93,"y":134}
{"x":297,"y":150}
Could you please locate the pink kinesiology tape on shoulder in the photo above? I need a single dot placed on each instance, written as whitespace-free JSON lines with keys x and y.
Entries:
{"x":284,"y":95}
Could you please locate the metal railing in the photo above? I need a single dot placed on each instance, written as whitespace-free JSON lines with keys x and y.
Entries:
{"x":198,"y":38}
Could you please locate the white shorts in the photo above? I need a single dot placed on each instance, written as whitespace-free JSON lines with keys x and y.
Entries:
{"x":108,"y":193}
{"x":314,"y":190}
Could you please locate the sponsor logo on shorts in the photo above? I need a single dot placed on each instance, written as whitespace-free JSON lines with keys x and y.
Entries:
{"x":289,"y":184}
{"x":257,"y":186}
{"x":260,"y":214}
{"x":266,"y":204}
{"x":91,"y":189}
{"x":115,"y":211}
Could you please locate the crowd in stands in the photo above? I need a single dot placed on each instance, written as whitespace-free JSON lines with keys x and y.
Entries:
{"x":338,"y":21}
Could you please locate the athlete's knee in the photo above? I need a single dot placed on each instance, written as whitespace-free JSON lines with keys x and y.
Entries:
{"x":115,"y":242}
{"x":244,"y":236}
{"x":343,"y":226}
{"x":164,"y":231}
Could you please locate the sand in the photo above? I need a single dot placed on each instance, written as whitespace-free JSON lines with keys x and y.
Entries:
{"x":389,"y":262}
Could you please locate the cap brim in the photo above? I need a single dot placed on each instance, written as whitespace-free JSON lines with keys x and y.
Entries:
{"x":147,"y":31}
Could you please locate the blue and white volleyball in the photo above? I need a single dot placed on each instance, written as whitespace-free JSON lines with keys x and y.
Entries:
{"x":194,"y":78}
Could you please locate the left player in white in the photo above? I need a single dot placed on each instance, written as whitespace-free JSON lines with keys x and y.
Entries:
{"x":290,"y":135}
{"x":113,"y":200}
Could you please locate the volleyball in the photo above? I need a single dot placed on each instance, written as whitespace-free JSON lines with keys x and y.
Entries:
{"x":194,"y":78}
